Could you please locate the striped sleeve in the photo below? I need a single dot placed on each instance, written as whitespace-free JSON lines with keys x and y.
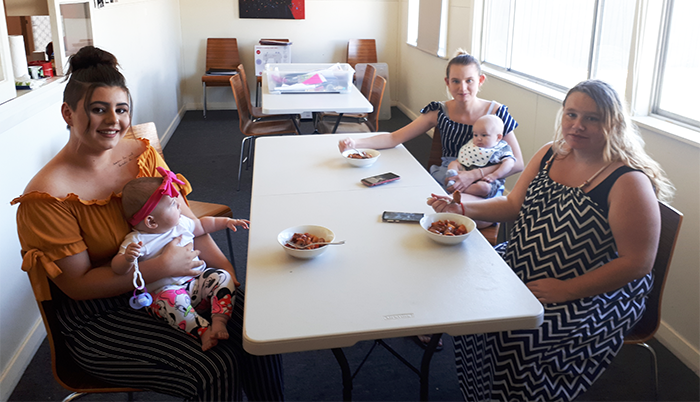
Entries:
{"x":509,"y":123}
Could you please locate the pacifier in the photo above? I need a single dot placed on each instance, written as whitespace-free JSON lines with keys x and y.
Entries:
{"x":450,"y":173}
{"x":139,"y":300}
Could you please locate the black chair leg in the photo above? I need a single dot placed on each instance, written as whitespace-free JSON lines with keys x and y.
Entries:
{"x":230,"y":250}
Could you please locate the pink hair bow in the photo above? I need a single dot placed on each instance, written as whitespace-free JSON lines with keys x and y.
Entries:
{"x":167,"y":188}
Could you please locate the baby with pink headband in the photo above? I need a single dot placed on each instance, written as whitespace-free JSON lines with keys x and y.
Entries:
{"x":152,"y":207}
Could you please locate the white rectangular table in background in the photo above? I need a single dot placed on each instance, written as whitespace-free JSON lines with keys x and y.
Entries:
{"x":388,"y":280}
{"x":351,"y":102}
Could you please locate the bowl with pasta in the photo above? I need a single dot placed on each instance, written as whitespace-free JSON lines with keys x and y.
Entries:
{"x":447,"y":228}
{"x":361,"y":157}
{"x":300,"y":241}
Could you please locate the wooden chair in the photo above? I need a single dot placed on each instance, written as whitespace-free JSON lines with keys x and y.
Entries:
{"x":199,"y":208}
{"x":372,"y":123}
{"x":647,"y":326}
{"x":366,"y":90}
{"x":65,"y":369}
{"x":361,"y":51}
{"x":256,"y":111}
{"x":222,"y":61}
{"x":435,"y":158}
{"x":252,"y":128}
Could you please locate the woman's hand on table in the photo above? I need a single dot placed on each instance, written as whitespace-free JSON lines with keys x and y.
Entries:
{"x":179,"y":260}
{"x":345,"y":144}
{"x":443,"y":203}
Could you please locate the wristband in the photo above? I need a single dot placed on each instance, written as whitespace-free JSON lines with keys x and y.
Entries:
{"x":462,"y":206}
{"x":482,"y":173}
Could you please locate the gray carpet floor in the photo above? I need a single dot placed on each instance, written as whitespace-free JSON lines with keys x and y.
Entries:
{"x":206,"y":151}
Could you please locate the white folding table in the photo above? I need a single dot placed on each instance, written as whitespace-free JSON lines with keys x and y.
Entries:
{"x":388,"y":280}
{"x":319,"y":102}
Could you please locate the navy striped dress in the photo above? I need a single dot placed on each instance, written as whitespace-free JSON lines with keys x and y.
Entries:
{"x":128,"y":347}
{"x":454,"y":135}
{"x":562,"y":232}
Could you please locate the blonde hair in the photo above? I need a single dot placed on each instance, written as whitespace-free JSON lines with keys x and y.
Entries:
{"x":623,"y":142}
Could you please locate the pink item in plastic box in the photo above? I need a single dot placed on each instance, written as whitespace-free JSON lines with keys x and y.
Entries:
{"x":315,"y":79}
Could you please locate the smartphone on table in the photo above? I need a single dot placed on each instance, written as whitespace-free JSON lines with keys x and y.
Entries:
{"x":379,"y":179}
{"x":401,"y":217}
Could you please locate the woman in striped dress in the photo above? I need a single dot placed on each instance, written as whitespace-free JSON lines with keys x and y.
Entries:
{"x":454,"y":118}
{"x":584,"y":242}
{"x":70,"y":226}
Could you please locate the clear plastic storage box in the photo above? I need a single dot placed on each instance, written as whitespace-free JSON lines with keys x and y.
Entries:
{"x":302,"y":78}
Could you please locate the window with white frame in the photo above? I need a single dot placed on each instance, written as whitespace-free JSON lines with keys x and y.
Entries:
{"x":427,"y":26}
{"x":679,"y":64}
{"x":559,"y":42}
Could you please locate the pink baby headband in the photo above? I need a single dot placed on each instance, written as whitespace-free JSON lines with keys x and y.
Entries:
{"x":167,"y":188}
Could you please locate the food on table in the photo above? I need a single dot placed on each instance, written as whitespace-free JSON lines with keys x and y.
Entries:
{"x":360,"y":155}
{"x":301,"y":241}
{"x":447,"y":228}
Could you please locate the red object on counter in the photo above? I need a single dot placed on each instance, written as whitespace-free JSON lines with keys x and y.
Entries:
{"x":45,"y":66}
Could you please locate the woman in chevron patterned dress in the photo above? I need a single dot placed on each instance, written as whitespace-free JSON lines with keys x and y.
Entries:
{"x":585,"y":238}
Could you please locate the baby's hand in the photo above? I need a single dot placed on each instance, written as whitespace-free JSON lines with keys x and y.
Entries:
{"x":490,"y":178}
{"x":232,"y":223}
{"x":347,"y":143}
{"x":132,"y":251}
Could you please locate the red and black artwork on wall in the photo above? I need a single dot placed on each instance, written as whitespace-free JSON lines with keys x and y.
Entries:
{"x":280,"y":9}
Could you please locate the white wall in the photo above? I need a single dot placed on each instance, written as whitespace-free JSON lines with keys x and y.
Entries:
{"x":161,"y":46}
{"x":319,"y":38}
{"x":145,"y":37}
{"x":422,"y":81}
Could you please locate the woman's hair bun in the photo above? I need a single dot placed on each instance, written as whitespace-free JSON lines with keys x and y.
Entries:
{"x":461,"y":52}
{"x":90,"y":56}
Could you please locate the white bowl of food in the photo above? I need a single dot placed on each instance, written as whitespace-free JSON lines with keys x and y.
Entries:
{"x":293,"y":240}
{"x":361,"y":157}
{"x":447,"y":228}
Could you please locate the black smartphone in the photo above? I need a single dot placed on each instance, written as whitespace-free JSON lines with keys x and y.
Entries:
{"x":389,"y":216}
{"x":379,"y":179}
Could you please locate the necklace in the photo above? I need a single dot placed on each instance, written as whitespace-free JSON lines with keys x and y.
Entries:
{"x":587,"y":182}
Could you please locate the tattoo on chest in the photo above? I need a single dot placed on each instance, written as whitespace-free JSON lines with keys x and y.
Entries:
{"x":124,"y":160}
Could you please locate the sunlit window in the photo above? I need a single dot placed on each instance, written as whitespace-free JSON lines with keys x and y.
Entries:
{"x":678,"y":84}
{"x":560,"y":42}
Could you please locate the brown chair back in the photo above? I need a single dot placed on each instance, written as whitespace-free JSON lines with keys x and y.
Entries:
{"x":375,"y":99}
{"x":222,"y":53}
{"x":368,"y":80}
{"x":244,"y":81}
{"x":242,"y":102}
{"x":361,"y":51}
{"x":435,"y":157}
{"x":645,"y":329}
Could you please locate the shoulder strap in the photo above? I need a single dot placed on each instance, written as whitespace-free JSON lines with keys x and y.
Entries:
{"x":493,"y":103}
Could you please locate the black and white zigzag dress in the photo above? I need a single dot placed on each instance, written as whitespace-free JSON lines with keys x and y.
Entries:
{"x":561,"y":232}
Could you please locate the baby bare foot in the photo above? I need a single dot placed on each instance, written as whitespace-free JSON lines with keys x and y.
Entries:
{"x":209,"y":340}
{"x":218,"y":326}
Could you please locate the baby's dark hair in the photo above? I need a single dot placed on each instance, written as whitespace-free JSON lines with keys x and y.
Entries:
{"x":136,"y":192}
{"x":88,"y":69}
{"x":462,"y":58}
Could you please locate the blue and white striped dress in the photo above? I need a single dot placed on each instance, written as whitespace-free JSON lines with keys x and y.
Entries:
{"x":561,"y":232}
